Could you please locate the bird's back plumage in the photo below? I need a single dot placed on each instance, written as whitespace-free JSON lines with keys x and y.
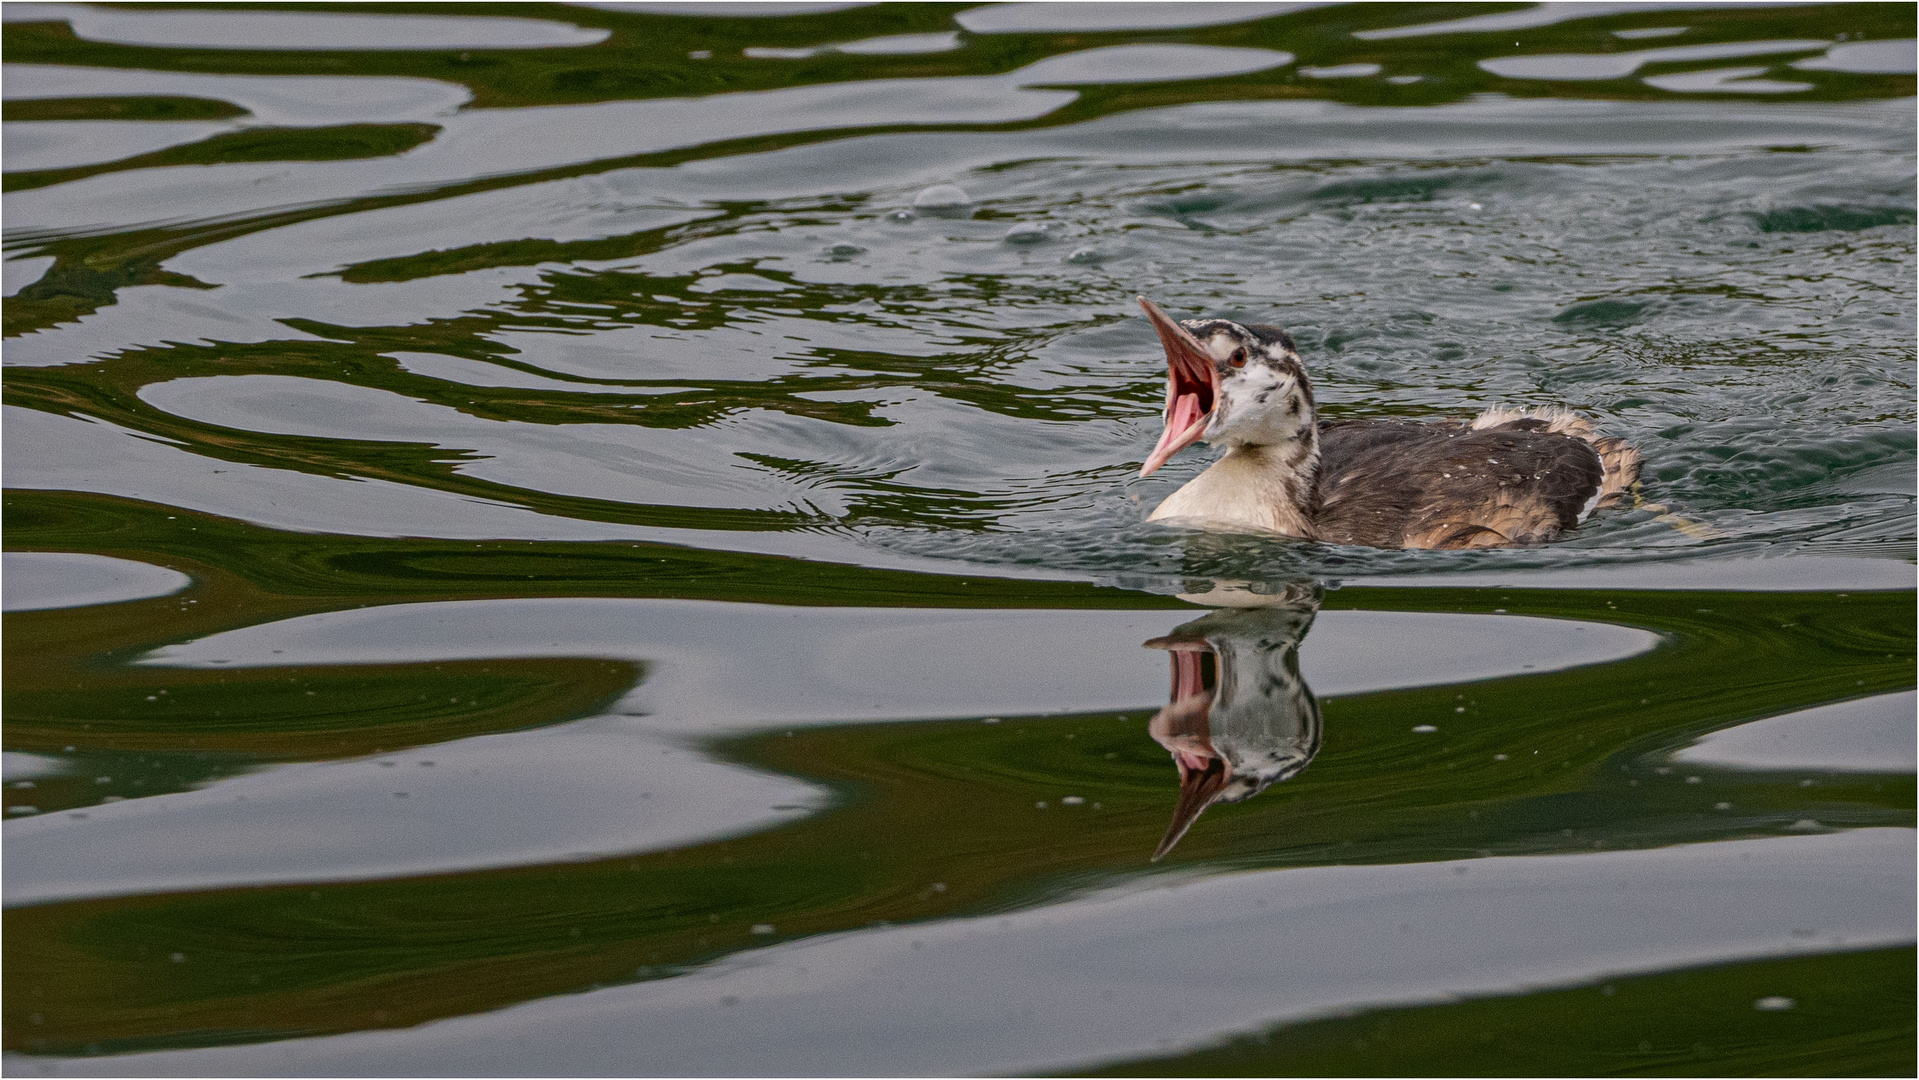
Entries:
{"x":1507,"y":478}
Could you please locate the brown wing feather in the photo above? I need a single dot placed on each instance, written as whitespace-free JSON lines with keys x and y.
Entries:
{"x":1398,"y":484}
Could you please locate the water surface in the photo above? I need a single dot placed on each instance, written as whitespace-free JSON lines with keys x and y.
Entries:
{"x":593,"y":540}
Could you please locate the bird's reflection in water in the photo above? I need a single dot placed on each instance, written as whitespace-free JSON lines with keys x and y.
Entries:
{"x":1240,"y":716}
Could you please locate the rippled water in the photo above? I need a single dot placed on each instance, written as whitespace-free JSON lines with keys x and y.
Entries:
{"x":562,"y":544}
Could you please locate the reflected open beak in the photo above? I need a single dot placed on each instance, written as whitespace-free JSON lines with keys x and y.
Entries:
{"x":1202,"y":776}
{"x":1183,"y":729}
{"x":1192,"y":386}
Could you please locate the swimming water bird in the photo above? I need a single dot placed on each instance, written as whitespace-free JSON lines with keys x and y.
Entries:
{"x":1505,"y":478}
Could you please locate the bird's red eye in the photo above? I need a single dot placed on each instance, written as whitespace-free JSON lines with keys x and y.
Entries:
{"x":1238,"y":358}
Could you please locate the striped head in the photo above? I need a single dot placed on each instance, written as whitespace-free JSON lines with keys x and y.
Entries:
{"x":1230,"y":385}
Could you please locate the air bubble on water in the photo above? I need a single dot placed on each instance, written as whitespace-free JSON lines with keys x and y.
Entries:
{"x":23,"y":810}
{"x":1499,"y":757}
{"x":1085,"y":256}
{"x":1072,"y":800}
{"x":1774,"y":1004}
{"x":1694,"y":780}
{"x":1805,"y":824}
{"x":1039,"y":806}
{"x":1722,"y":806}
{"x":902,"y":215}
{"x":1425,"y":729}
{"x":1459,"y":708}
{"x":178,"y":958}
{"x":942,"y":197}
{"x":838,"y":252}
{"x":762,"y":928}
{"x":990,"y":720}
{"x":1027,"y":232}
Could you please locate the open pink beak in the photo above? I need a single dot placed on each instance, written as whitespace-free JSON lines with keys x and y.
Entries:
{"x":1192,"y":386}
{"x":1183,"y":729}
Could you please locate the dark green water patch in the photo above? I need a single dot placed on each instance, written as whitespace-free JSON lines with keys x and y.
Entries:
{"x":147,"y":107}
{"x":1850,"y":1015}
{"x":337,"y":143}
{"x":1602,"y":313}
{"x":1807,"y":219}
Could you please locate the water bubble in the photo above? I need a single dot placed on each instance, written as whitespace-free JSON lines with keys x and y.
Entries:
{"x":178,"y":958}
{"x":1425,"y":729}
{"x":1499,"y":757}
{"x":842,"y":252}
{"x":1027,"y":232}
{"x":990,"y":720}
{"x":700,"y":54}
{"x":1039,"y":806}
{"x":1805,"y":824}
{"x":1722,"y":806}
{"x":902,"y":215}
{"x":1774,"y":1004}
{"x":762,"y":928}
{"x":24,"y":810}
{"x":1086,"y":256}
{"x":1072,"y":800}
{"x":942,"y":197}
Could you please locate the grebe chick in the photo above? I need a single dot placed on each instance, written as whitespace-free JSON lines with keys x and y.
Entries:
{"x":1505,"y":478}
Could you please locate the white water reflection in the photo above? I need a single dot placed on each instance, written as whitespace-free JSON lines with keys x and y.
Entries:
{"x":1872,"y":734}
{"x":619,"y":462}
{"x":517,"y":799}
{"x":719,"y":665}
{"x":1341,"y":71}
{"x":502,"y":141}
{"x":890,"y":45}
{"x":41,"y":580}
{"x":1738,"y":80}
{"x":1073,"y":984}
{"x":61,"y":144}
{"x":1898,"y":57}
{"x":739,"y":9}
{"x":1578,"y":67}
{"x":23,"y":272}
{"x":241,"y":29}
{"x":296,"y":100}
{"x":1552,"y":14}
{"x":1094,"y":17}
